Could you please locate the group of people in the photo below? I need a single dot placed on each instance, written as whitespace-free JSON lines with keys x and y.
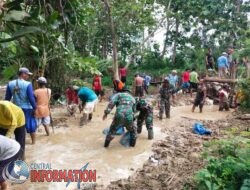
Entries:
{"x":225,"y":63}
{"x":22,"y":110}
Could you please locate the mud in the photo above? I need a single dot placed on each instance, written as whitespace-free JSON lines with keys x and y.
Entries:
{"x":177,"y":157}
{"x":71,"y":147}
{"x":167,"y":162}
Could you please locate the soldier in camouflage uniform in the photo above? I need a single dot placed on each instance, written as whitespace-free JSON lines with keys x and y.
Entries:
{"x":125,"y":108}
{"x":145,"y":114}
{"x":165,"y":92}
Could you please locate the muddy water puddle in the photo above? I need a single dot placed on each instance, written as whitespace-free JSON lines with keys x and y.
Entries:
{"x":71,"y":147}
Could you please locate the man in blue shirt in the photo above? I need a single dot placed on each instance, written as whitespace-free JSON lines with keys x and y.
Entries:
{"x":222,"y":65}
{"x":20,"y":91}
{"x":173,"y":81}
{"x":89,"y":101}
{"x":147,"y":80}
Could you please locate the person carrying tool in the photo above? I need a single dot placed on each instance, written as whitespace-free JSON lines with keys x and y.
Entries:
{"x":12,"y":120}
{"x":124,"y":116}
{"x":42,"y":112}
{"x":145,"y":114}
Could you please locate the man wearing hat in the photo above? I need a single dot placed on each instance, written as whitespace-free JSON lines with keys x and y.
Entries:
{"x":124,"y":116}
{"x":42,"y":113}
{"x":20,"y":91}
{"x":165,"y":92}
{"x":222,"y":65}
{"x":173,"y":81}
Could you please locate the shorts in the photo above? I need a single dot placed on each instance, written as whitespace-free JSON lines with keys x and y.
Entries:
{"x":194,"y":85}
{"x":43,"y":121}
{"x":186,"y":85}
{"x":209,"y":66}
{"x":198,"y":102}
{"x":90,"y":106}
{"x":99,"y":92}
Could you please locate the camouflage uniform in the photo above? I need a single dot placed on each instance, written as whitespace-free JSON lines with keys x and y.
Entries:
{"x":125,"y":108}
{"x":165,"y":93}
{"x":145,"y":114}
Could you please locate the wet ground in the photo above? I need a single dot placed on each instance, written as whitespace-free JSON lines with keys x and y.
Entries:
{"x":71,"y":147}
{"x":177,"y":157}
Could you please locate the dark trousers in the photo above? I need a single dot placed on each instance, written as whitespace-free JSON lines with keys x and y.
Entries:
{"x":124,"y":79}
{"x":139,"y":91}
{"x":20,"y":138}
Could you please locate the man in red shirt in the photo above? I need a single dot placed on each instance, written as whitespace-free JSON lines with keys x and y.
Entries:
{"x":185,"y":80}
{"x":123,"y":74}
{"x":97,"y":86}
{"x":72,"y":99}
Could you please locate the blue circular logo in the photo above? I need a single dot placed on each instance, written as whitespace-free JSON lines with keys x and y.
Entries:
{"x":16,"y":172}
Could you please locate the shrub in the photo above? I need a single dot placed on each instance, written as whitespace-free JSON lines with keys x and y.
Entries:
{"x":243,"y":87}
{"x":228,"y":166}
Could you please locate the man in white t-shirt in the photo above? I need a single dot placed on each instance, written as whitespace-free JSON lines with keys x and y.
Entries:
{"x":9,"y":151}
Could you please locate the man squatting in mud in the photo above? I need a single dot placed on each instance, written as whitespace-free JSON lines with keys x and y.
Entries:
{"x":145,"y":114}
{"x":124,"y":115}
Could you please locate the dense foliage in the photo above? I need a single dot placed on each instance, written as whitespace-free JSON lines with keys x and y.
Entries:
{"x":244,"y":90}
{"x":228,"y":165}
{"x":65,"y":38}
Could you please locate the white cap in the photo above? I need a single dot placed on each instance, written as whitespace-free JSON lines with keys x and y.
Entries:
{"x":42,"y":80}
{"x":224,"y":53}
{"x":76,"y":87}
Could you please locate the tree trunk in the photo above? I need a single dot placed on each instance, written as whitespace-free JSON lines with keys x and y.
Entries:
{"x":114,"y":39}
{"x":175,"y":40}
{"x":105,"y":47}
{"x":166,"y":38}
{"x":168,"y":27}
{"x":142,"y":44}
{"x":247,"y":64}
